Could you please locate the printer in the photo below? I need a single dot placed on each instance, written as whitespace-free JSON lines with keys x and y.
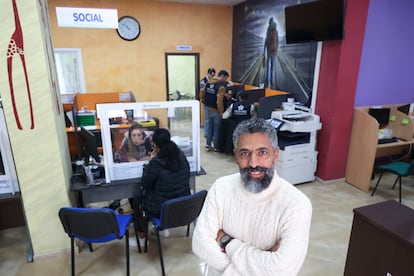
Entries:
{"x":297,"y":141}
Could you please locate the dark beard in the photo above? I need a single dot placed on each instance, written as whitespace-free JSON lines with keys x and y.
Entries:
{"x":257,"y":185}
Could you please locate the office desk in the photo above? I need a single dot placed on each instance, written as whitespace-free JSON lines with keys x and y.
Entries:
{"x":382,"y":241}
{"x":364,"y":147}
{"x":127,"y":188}
{"x":86,"y":194}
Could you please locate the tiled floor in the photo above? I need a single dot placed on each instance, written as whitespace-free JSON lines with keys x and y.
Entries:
{"x":331,"y":224}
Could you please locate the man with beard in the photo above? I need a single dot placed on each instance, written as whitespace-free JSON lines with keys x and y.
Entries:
{"x":253,"y":222}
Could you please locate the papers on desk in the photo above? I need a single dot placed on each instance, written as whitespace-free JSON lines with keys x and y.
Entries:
{"x":181,"y":141}
{"x":297,"y":121}
{"x":93,"y":127}
{"x":296,"y":116}
{"x":127,"y":170}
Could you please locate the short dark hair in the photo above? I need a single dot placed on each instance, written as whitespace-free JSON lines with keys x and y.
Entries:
{"x":161,"y":137}
{"x":253,"y":125}
{"x":243,"y":95}
{"x":169,"y":151}
{"x":211,"y":71}
{"x":223,"y":73}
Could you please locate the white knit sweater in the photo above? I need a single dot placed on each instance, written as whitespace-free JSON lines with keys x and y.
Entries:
{"x":256,"y":221}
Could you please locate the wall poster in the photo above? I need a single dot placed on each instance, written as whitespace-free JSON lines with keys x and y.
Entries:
{"x":261,"y":56}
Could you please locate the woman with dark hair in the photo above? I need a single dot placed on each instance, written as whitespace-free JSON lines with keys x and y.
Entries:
{"x":166,"y":176}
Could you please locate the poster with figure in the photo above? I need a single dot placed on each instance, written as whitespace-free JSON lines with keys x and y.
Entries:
{"x":261,"y":56}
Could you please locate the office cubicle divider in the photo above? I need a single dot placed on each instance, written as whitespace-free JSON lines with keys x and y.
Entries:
{"x":180,"y":117}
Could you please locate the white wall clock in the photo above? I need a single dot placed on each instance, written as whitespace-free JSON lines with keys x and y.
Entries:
{"x":128,"y":28}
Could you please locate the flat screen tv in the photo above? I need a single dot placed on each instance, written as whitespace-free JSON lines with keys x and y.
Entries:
{"x":404,"y":108}
{"x":315,"y":21}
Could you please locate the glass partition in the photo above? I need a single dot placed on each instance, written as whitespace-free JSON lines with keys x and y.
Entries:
{"x":127,"y":129}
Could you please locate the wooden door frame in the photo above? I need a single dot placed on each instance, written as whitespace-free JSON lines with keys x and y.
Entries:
{"x":197,"y":71}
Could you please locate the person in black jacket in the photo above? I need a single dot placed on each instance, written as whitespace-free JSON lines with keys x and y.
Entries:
{"x":240,"y":110}
{"x":166,"y":176}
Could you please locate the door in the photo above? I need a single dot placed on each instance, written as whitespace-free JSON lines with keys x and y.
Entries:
{"x":182,"y":76}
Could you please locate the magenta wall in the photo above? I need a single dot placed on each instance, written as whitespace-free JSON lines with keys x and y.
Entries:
{"x":338,"y":79}
{"x":373,"y":65}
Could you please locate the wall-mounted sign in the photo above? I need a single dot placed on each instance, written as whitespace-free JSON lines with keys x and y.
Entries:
{"x":184,"y":47}
{"x":87,"y":18}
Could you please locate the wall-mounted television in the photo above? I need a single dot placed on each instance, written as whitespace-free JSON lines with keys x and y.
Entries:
{"x":315,"y":21}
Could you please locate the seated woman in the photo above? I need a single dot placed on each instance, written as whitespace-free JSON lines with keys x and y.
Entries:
{"x":166,"y":176}
{"x":135,"y":147}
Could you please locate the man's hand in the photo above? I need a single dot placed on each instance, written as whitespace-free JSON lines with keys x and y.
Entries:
{"x":220,"y":234}
{"x":275,"y":247}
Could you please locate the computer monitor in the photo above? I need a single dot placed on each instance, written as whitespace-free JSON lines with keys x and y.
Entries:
{"x":382,"y":115}
{"x":68,"y":121}
{"x":404,"y":108}
{"x":271,"y":103}
{"x":90,"y":146}
{"x":254,"y":95}
{"x":237,"y":88}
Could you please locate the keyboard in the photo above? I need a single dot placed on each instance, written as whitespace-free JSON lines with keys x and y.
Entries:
{"x":387,"y":140}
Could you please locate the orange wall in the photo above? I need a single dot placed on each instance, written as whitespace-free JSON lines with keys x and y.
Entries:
{"x":112,"y":64}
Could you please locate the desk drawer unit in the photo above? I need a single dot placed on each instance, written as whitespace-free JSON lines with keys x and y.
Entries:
{"x":298,"y":165}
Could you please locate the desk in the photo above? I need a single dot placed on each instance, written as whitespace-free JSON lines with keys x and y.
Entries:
{"x":86,"y":194}
{"x":89,"y":101}
{"x":364,"y":147}
{"x":382,"y":241}
{"x":127,"y":188}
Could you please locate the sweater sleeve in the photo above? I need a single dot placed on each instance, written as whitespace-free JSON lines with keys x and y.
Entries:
{"x":220,"y":99}
{"x":227,"y":113}
{"x":204,"y":242}
{"x":256,"y":227}
{"x":253,"y":111}
{"x":202,"y":93}
{"x":288,"y":258}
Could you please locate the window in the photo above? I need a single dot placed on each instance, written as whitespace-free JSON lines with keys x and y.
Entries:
{"x":69,"y":69}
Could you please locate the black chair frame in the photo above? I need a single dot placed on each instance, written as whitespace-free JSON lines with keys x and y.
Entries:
{"x":174,"y":213}
{"x":93,"y":225}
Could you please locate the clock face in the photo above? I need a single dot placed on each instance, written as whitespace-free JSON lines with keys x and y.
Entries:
{"x":128,"y":28}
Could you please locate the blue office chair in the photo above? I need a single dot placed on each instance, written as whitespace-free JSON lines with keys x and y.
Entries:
{"x":401,"y":169}
{"x":174,"y":213}
{"x":95,"y":225}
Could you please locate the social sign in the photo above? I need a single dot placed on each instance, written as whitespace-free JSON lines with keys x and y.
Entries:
{"x":87,"y":18}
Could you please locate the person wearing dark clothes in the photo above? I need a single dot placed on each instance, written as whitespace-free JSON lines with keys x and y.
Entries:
{"x":234,"y":114}
{"x":166,"y":176}
{"x":270,"y":50}
{"x":212,"y":96}
{"x":229,"y":98}
{"x":211,"y":72}
{"x":135,"y":147}
{"x":240,"y":110}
